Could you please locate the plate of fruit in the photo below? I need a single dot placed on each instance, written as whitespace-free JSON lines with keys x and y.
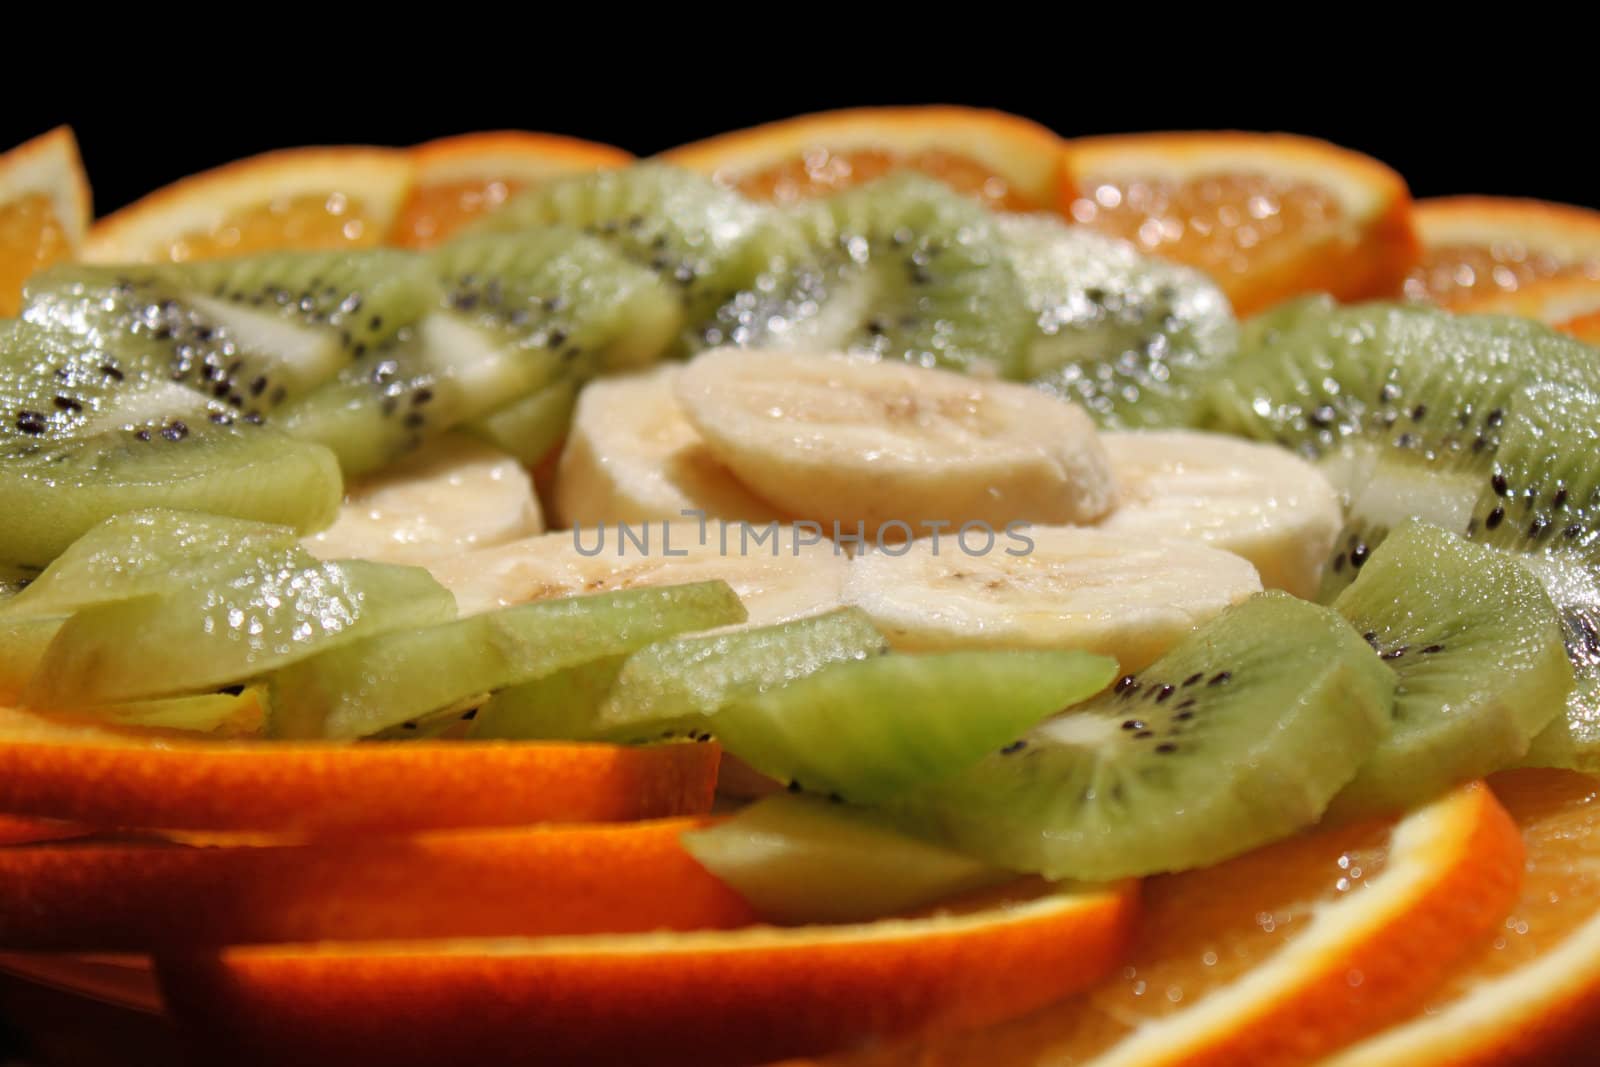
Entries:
{"x":891,"y":586}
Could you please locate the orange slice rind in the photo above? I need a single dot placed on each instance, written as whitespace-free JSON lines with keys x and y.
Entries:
{"x":1478,"y":249}
{"x":44,"y":210}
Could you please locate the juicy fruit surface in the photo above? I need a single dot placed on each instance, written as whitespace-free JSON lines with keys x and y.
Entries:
{"x":1476,"y":647}
{"x":1239,"y":736}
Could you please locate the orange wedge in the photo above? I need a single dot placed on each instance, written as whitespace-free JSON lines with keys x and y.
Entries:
{"x":22,"y":830}
{"x":1476,"y":249}
{"x":300,"y":198}
{"x":110,"y":778}
{"x":1268,"y":216}
{"x":456,"y":179}
{"x":1532,"y":995}
{"x":109,"y":896}
{"x":44,"y":210}
{"x":1583,"y":327}
{"x":1008,"y":161}
{"x":1556,"y":301}
{"x":704,"y":998}
{"x":1282,"y":955}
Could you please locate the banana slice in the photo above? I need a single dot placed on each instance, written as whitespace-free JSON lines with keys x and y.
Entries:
{"x":780,"y":572}
{"x":1255,"y":500}
{"x":837,"y":438}
{"x":1047,"y":587}
{"x":455,"y":494}
{"x":632,"y":457}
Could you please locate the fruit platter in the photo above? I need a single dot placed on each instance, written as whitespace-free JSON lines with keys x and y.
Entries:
{"x":892,"y":586}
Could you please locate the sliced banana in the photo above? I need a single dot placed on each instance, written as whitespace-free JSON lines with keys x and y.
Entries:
{"x":455,"y":494}
{"x":837,"y":438}
{"x":1255,"y":500}
{"x":1047,"y":587}
{"x":780,"y":572}
{"x":631,"y":456}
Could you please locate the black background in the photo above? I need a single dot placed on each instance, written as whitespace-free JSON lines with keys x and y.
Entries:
{"x":1444,"y":134}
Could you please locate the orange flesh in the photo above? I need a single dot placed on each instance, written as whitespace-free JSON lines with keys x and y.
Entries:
{"x":1584,"y":328}
{"x":311,"y":221}
{"x":1452,"y":275}
{"x":437,"y":211}
{"x":820,"y":172}
{"x":31,"y":238}
{"x":1225,"y":224}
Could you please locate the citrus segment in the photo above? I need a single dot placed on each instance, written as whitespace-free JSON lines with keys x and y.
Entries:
{"x":122,"y":778}
{"x":1283,"y":954}
{"x":705,"y":998}
{"x":44,"y":210}
{"x":1266,"y":215}
{"x":1532,"y":995}
{"x":1006,"y":161}
{"x":456,"y":179}
{"x":297,"y":198}
{"x":1479,"y":248}
{"x":138,"y":895}
{"x":22,"y":830}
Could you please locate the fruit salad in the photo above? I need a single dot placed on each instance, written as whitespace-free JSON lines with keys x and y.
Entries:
{"x":889,"y":587}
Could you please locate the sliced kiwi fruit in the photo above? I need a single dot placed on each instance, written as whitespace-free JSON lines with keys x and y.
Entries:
{"x":1240,"y":735}
{"x":249,"y":333}
{"x":532,"y":427}
{"x":911,"y":270}
{"x":1132,"y":339}
{"x":84,"y":437}
{"x":23,"y":641}
{"x":867,"y":729}
{"x":368,"y":686}
{"x":557,"y":707}
{"x":228,"y":626}
{"x":1480,"y":666}
{"x":800,"y":859}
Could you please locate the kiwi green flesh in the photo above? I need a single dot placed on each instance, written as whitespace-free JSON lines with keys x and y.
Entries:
{"x":868,"y":729}
{"x":557,"y":707}
{"x":1480,"y":665}
{"x":1239,"y":736}
{"x":23,"y":641}
{"x":682,"y":684}
{"x":912,"y":270}
{"x":368,"y":686}
{"x":800,"y":859}
{"x":531,"y":428}
{"x":228,"y":627}
{"x":1130,"y":338}
{"x":249,"y":332}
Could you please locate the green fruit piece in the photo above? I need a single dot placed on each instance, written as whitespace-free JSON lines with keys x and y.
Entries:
{"x":23,"y":642}
{"x":680,"y":685}
{"x":532,"y":427}
{"x":227,"y":627}
{"x":367,"y":686}
{"x":1131,"y":338}
{"x":1239,"y":736}
{"x":558,"y":707}
{"x":805,"y":860}
{"x":226,"y":713}
{"x":1480,"y":666}
{"x":82,"y":439}
{"x":913,"y":271}
{"x":867,"y":729}
{"x":248,"y":332}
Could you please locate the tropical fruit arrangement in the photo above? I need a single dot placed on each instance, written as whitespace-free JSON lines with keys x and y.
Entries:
{"x":892,"y":586}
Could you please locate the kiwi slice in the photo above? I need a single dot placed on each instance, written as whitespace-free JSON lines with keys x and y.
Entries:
{"x":531,"y":428}
{"x":912,"y":270}
{"x":801,"y":859}
{"x":1130,"y":338}
{"x":557,"y":707}
{"x":228,"y":626}
{"x":680,"y":685}
{"x":249,"y":332}
{"x":367,"y":686}
{"x":866,"y":729}
{"x":23,"y":641}
{"x":1480,"y":665}
{"x":84,"y":437}
{"x":1240,"y":735}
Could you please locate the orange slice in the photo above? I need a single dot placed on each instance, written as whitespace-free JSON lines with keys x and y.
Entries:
{"x":1556,"y":301}
{"x":1283,"y":954}
{"x":456,"y":179}
{"x":703,"y":998}
{"x":1007,"y":161}
{"x":22,"y":830}
{"x":300,"y":198}
{"x":110,"y":778}
{"x":1583,"y":327}
{"x":44,"y":210}
{"x":1479,"y":248}
{"x":133,"y":896}
{"x":1531,"y":996}
{"x":1268,"y":216}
